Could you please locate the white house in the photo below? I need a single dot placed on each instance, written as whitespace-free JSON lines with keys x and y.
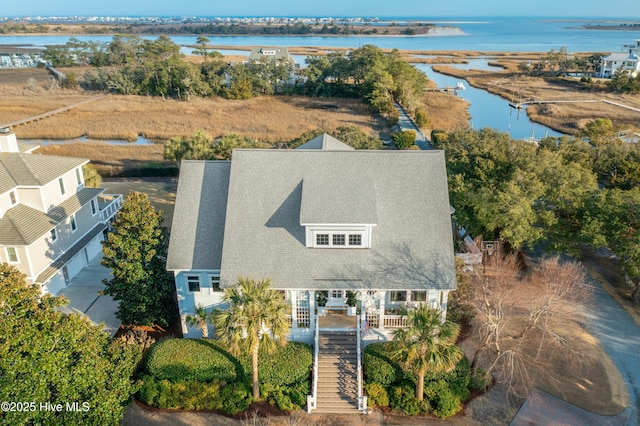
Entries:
{"x":320,"y":218}
{"x":628,"y":61}
{"x":51,"y":225}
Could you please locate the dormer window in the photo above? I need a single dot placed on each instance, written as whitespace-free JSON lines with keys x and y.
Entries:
{"x":340,"y":238}
{"x":12,"y":196}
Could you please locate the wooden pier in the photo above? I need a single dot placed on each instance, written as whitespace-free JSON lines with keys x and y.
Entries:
{"x":48,"y":114}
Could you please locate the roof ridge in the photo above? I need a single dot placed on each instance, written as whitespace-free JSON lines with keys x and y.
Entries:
{"x":26,"y":163}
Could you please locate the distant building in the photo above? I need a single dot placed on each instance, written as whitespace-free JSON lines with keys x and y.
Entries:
{"x":51,"y":225}
{"x":279,"y":54}
{"x":628,"y":61}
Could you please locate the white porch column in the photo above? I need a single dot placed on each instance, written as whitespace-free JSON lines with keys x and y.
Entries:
{"x":383,"y":298}
{"x":293,"y":297}
{"x":312,"y":312}
{"x":444,"y":297}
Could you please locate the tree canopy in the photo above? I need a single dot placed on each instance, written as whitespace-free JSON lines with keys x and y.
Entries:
{"x":50,"y":357}
{"x":136,"y":252}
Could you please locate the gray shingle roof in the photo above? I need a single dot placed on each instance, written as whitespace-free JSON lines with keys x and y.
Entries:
{"x":22,"y":225}
{"x":199,"y":215}
{"x":20,"y":169}
{"x":326,"y":142}
{"x":412,"y":244}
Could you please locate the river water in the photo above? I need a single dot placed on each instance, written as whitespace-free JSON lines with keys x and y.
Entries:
{"x":482,"y":35}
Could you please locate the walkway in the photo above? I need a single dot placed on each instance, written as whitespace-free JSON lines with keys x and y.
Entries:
{"x":620,"y":337}
{"x":49,"y":113}
{"x":406,"y":123}
{"x":84,"y":299}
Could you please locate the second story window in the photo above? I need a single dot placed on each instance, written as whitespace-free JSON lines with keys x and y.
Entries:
{"x":78,"y":176}
{"x":61,"y":183}
{"x":53,"y":234}
{"x":94,"y":209}
{"x":12,"y":255}
{"x":72,"y":222}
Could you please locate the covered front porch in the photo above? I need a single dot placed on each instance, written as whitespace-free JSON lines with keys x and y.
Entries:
{"x":339,"y":309}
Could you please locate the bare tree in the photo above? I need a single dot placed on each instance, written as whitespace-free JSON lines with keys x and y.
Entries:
{"x":520,"y":315}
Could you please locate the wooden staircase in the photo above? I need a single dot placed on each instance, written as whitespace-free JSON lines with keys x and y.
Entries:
{"x":337,"y":373}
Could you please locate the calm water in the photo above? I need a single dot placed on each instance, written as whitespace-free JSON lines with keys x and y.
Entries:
{"x":485,"y":35}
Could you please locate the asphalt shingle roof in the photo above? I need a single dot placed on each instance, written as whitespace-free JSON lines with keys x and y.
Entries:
{"x":260,"y":205}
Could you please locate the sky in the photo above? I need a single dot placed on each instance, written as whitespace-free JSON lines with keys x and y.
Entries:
{"x":629,"y":9}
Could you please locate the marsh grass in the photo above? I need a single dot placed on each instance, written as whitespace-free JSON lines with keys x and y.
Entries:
{"x":127,"y":117}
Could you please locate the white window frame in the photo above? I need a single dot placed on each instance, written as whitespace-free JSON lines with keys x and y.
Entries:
{"x":79,"y":176}
{"x":192,"y":279}
{"x":414,"y":293}
{"x":94,"y":207}
{"x":15,"y":254}
{"x":312,"y":231}
{"x":73,"y":223}
{"x":61,"y":184}
{"x":339,"y":236}
{"x":53,"y":234}
{"x":214,"y":281}
{"x":394,"y":296}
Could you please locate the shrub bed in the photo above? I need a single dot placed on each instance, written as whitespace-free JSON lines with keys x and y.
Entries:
{"x":198,"y":374}
{"x":192,"y":359}
{"x":388,"y":385}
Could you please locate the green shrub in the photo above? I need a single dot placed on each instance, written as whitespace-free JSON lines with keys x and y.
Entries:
{"x":393,"y":117}
{"x":281,"y":400}
{"x":402,"y":398}
{"x":442,"y":399}
{"x":422,"y":120}
{"x":404,"y":139}
{"x":192,"y":359}
{"x":191,"y":395}
{"x":378,"y":367}
{"x":236,"y":397}
{"x":458,"y":380}
{"x":439,"y":137}
{"x":376,"y":395}
{"x":289,"y":364}
{"x":480,"y":381}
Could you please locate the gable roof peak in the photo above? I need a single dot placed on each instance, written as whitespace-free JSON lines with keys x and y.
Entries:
{"x":326,"y":142}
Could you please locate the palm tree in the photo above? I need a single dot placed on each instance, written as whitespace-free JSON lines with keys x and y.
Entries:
{"x":256,"y":318}
{"x":426,"y":344}
{"x":199,"y":320}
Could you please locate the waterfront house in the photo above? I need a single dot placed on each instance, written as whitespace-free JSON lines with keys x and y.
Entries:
{"x":320,"y":220}
{"x":51,"y":225}
{"x":628,"y":61}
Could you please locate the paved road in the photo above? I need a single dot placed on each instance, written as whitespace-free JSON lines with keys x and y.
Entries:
{"x":620,"y":337}
{"x":406,"y":123}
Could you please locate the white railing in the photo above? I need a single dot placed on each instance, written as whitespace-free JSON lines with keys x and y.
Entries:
{"x":395,"y":321}
{"x":362,"y":400}
{"x":109,"y":204}
{"x":312,"y":399}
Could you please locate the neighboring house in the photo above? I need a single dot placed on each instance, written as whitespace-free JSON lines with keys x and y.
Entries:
{"x":322,"y":217}
{"x":628,"y":60}
{"x":279,"y":54}
{"x":51,"y":225}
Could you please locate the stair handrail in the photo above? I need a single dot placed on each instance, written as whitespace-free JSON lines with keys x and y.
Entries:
{"x":312,"y":399}
{"x":362,"y":400}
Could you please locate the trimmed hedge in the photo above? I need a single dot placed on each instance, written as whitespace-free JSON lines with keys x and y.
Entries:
{"x":378,"y":366}
{"x":289,"y":364}
{"x":404,"y":139}
{"x":192,"y":359}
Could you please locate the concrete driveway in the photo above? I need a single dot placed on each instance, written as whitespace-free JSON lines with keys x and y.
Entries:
{"x":84,"y":298}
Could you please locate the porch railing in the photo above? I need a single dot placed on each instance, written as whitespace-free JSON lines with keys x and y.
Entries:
{"x":109,"y":204}
{"x":312,"y":399}
{"x":395,"y":321}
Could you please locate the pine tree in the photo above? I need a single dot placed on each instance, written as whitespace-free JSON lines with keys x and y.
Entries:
{"x":136,"y":252}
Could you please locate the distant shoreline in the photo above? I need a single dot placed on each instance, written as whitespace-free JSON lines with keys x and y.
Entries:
{"x":621,"y":27}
